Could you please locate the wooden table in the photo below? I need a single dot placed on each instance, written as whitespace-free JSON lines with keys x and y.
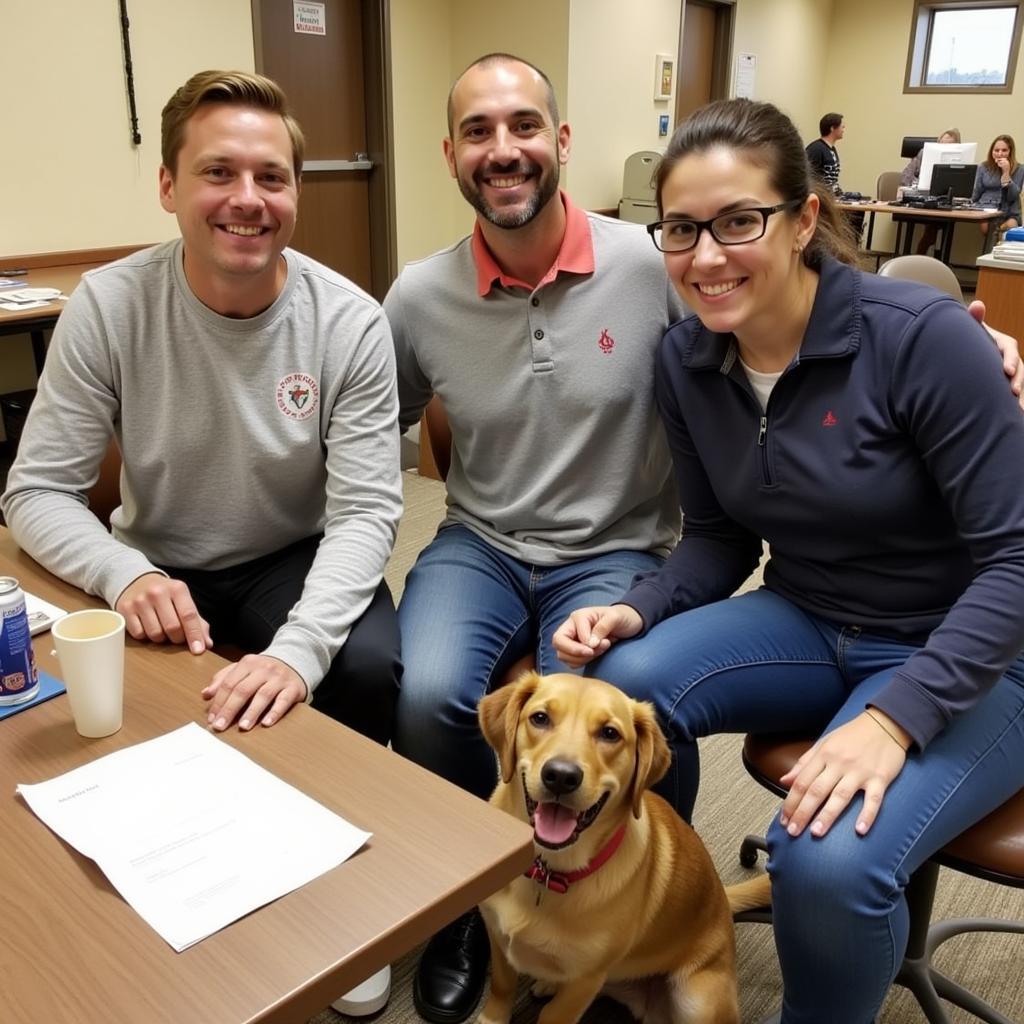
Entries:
{"x":61,"y":270}
{"x":946,"y":218}
{"x":73,"y":952}
{"x":1001,"y":288}
{"x":42,"y":318}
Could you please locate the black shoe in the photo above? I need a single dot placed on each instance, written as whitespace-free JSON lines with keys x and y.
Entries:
{"x":452,"y":971}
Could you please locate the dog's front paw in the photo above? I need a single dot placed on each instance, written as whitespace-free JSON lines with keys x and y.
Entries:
{"x":543,"y":989}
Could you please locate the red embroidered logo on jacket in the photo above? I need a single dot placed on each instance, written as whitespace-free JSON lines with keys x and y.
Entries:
{"x":606,"y":342}
{"x":829,"y":420}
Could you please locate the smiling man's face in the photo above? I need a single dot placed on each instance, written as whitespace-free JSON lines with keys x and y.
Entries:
{"x":235,"y":196}
{"x":505,"y":151}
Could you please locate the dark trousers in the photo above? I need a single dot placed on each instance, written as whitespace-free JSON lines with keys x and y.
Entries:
{"x":246,"y":604}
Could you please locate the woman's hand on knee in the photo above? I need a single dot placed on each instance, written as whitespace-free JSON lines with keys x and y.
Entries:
{"x":589,"y":632}
{"x":865,"y":754}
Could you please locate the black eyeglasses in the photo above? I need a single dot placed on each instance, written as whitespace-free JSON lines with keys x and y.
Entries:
{"x":733,"y":228}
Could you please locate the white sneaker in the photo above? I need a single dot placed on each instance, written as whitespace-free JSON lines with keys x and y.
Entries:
{"x":369,"y":997}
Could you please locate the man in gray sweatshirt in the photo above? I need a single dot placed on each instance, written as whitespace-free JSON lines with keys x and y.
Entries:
{"x":252,"y":394}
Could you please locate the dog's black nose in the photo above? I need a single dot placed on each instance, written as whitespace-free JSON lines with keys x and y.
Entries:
{"x":561,"y":776}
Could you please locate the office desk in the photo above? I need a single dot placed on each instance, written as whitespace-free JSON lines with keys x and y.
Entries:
{"x":34,"y":321}
{"x":73,"y":952}
{"x":946,"y":218}
{"x":1001,"y":288}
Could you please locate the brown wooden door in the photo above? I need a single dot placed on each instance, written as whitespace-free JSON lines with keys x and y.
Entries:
{"x":323,"y":76}
{"x":703,"y":55}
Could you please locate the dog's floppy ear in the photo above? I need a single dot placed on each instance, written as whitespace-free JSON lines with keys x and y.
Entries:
{"x":499,"y":718}
{"x":652,"y":754}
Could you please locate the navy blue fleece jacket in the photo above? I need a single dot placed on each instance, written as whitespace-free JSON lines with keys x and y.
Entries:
{"x":885,"y":475}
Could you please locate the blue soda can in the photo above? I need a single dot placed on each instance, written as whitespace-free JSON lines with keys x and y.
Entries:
{"x":19,"y":677}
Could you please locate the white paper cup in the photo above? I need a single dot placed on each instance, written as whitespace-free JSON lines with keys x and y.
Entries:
{"x":90,"y":646}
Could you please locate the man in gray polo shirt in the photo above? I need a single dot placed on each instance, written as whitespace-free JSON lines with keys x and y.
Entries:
{"x":538,"y":334}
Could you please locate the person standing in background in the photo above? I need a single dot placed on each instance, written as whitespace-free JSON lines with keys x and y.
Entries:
{"x":822,"y":154}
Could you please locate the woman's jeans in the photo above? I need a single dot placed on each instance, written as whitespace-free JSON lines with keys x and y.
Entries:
{"x":468,"y":613}
{"x":757,"y":663}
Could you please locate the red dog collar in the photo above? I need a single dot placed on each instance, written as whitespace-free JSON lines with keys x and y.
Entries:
{"x":558,"y":881}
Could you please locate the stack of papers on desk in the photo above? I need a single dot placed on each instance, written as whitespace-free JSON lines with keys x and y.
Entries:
{"x":16,"y":299}
{"x":192,"y":833}
{"x":1009,"y":251}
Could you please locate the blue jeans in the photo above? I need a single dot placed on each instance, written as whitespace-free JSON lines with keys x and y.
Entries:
{"x":467,"y":614}
{"x":757,"y":663}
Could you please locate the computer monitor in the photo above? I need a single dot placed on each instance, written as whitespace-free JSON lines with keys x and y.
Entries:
{"x":958,"y":177}
{"x":944,"y":153}
{"x":913,"y":144}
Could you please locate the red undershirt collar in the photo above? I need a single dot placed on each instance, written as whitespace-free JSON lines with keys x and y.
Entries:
{"x":575,"y":254}
{"x":558,"y":881}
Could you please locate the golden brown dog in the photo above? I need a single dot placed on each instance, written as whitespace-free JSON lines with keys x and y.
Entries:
{"x":622,"y":889}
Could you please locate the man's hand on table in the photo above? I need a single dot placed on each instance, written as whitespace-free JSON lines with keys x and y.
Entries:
{"x":257,"y":689}
{"x":1012,"y":364}
{"x":161,"y":610}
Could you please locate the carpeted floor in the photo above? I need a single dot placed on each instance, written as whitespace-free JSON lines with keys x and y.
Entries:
{"x":730,"y":806}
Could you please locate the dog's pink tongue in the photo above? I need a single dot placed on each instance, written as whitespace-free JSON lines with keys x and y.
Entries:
{"x":553,"y":823}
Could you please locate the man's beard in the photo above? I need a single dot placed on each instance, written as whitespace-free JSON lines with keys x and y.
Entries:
{"x":547,"y":186}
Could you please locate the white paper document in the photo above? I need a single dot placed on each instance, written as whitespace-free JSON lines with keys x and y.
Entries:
{"x":41,"y":614}
{"x":192,"y":833}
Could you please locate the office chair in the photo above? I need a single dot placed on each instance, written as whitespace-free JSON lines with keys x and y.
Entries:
{"x":925,"y":269}
{"x":992,"y":849}
{"x":886,"y":191}
{"x":888,"y":186}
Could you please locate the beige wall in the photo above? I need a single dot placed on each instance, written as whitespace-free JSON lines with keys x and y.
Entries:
{"x":791,"y":40}
{"x":611,"y":106}
{"x":864,"y":80}
{"x":78,"y":180}
{"x":432,"y":41}
{"x":421,"y":41}
{"x":600,"y":57}
{"x":79,"y":183}
{"x":71,"y":179}
{"x":536,"y":30}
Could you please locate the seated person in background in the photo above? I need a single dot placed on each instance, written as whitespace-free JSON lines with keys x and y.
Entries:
{"x":908,"y":178}
{"x":888,"y":621}
{"x":252,"y":394}
{"x":999,"y":182}
{"x":910,"y":173}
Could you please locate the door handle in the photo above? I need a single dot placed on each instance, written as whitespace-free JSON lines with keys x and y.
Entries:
{"x":362,"y":162}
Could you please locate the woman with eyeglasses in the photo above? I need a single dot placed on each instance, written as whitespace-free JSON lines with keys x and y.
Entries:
{"x":861,"y":426}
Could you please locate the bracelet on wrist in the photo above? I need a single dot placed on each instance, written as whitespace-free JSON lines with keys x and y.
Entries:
{"x":888,"y":732}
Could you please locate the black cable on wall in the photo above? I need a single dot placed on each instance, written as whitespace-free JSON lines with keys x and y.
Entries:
{"x":126,"y":47}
